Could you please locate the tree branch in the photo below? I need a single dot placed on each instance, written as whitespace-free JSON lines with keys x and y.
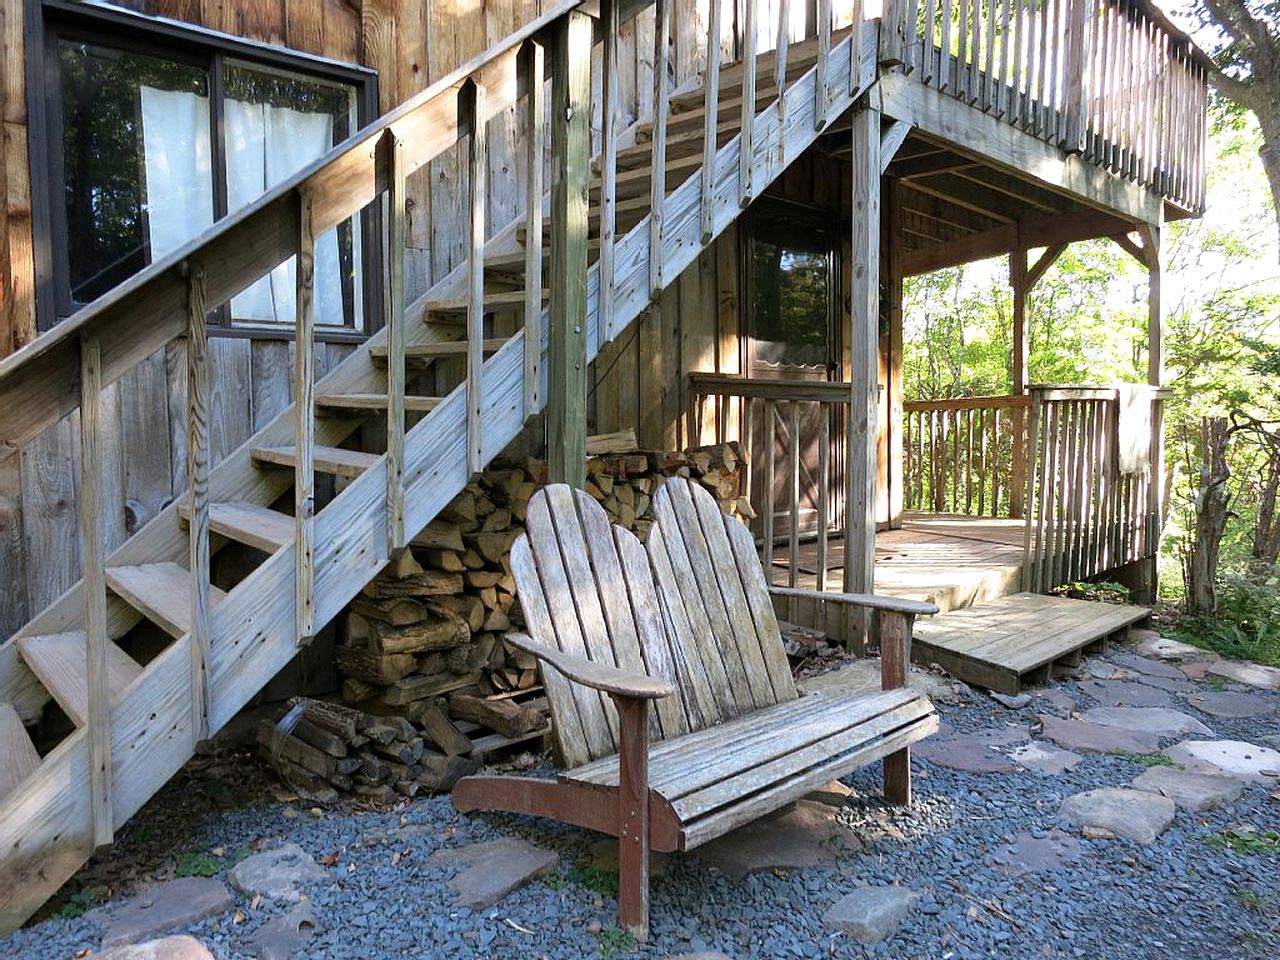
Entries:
{"x":1236,"y":19}
{"x":1241,"y":91}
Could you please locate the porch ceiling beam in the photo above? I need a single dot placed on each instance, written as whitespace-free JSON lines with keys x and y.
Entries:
{"x":1021,"y":190}
{"x":986,"y":207}
{"x":995,"y":142}
{"x":929,"y":164}
{"x":1041,"y":232}
{"x":947,"y":213}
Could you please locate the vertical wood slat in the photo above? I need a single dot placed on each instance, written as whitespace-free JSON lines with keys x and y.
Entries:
{"x":93,"y":551}
{"x":1017,"y":69}
{"x":477,"y":163}
{"x":1032,"y":516}
{"x":780,"y":72}
{"x":199,"y":447}
{"x":710,"y":119}
{"x":855,"y":47}
{"x":929,"y":54}
{"x":658,"y":164}
{"x":821,"y":95}
{"x":746,"y":159}
{"x":392,"y":159}
{"x":944,"y":47}
{"x":793,"y":477}
{"x":770,"y":442}
{"x":608,"y":170}
{"x":962,"y":49}
{"x":304,"y":425}
{"x":535,"y":141}
{"x":824,"y":491}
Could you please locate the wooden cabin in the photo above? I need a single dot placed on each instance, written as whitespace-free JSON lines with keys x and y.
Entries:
{"x":285,"y":275}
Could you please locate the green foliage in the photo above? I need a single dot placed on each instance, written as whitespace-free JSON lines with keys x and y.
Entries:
{"x":1245,"y":838}
{"x":1154,"y":760}
{"x":614,"y":942}
{"x":207,"y":863}
{"x":603,"y":882}
{"x":1104,"y":591}
{"x":76,"y":905}
{"x":555,"y":881}
{"x":1247,"y":625}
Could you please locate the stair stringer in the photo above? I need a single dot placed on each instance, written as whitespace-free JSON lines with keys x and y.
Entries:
{"x":43,"y":827}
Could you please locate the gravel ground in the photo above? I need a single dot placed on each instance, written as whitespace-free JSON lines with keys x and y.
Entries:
{"x":1183,"y":896}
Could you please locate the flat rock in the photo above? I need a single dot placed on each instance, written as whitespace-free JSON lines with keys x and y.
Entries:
{"x":1057,"y":700}
{"x":1133,"y":814}
{"x":1161,"y":648}
{"x":1190,"y":789}
{"x":1095,"y":737}
{"x":700,"y":955}
{"x":971,"y":752}
{"x":603,"y":854}
{"x":1252,"y":674}
{"x":283,"y":937}
{"x":1181,"y":684}
{"x":871,"y":914}
{"x":1126,"y":693}
{"x":1105,"y":670}
{"x":167,"y":948}
{"x":493,"y":869}
{"x":1156,"y":720}
{"x":164,"y":907}
{"x":1043,"y":757}
{"x":1016,"y":702}
{"x":1235,"y":758}
{"x":1196,"y":669}
{"x":803,"y":837}
{"x":1231,"y":705}
{"x":1028,"y":853}
{"x":281,"y":873}
{"x":1152,"y":668}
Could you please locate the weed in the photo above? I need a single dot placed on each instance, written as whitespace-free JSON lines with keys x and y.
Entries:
{"x":77,"y":905}
{"x":1154,"y":760}
{"x":1246,"y":839}
{"x":615,"y":941}
{"x":1258,"y":902}
{"x":603,"y":882}
{"x":1215,"y":681}
{"x":206,"y":864}
{"x":555,"y":881}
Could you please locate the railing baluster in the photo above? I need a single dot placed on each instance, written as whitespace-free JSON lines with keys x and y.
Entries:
{"x":658,"y":165}
{"x":855,"y":48}
{"x":304,"y":491}
{"x":477,"y":168}
{"x":1002,"y":70}
{"x":393,"y":297}
{"x":927,"y":68}
{"x":989,"y":76}
{"x":608,"y":168}
{"x":944,"y":48}
{"x":94,"y":550}
{"x":710,"y":121}
{"x":770,"y":475}
{"x":535,"y":141}
{"x":780,"y":74}
{"x":198,"y":464}
{"x":793,"y":549}
{"x":821,"y":95}
{"x":824,"y":490}
{"x":962,"y":50}
{"x":1017,"y":69}
{"x":746,"y":158}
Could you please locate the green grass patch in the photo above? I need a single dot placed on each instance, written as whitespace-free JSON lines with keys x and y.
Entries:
{"x":1265,"y":903}
{"x":76,"y":905}
{"x":205,"y":863}
{"x":615,"y":941}
{"x":1246,"y":839}
{"x":603,"y":882}
{"x":1143,"y":760}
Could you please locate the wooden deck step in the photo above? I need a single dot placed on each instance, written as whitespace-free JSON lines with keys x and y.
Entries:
{"x":332,"y":460}
{"x":159,"y":591}
{"x":259,"y":527}
{"x":18,"y":757}
{"x":1015,"y":640}
{"x":370,"y":402}
{"x":437,"y":350}
{"x":58,"y":660}
{"x":502,"y":301}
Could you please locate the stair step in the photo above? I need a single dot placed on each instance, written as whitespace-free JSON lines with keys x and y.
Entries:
{"x":372,"y":402}
{"x":504,"y":301}
{"x":58,"y":660}
{"x":259,"y":527}
{"x":159,"y":591}
{"x":18,"y":757}
{"x":332,"y":460}
{"x":439,"y":349}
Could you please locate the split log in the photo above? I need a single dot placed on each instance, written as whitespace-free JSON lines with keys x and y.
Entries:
{"x":502,"y":716}
{"x":379,"y":669}
{"x":442,"y":731}
{"x":446,"y":631}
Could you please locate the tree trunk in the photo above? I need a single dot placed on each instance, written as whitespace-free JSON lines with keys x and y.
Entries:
{"x":1266,"y":531}
{"x":1211,"y":509}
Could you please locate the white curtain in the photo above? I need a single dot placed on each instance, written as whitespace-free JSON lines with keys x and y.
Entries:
{"x":177,"y":167}
{"x":265,"y":145}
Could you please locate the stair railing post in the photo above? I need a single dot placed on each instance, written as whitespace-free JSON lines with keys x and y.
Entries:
{"x":780,"y":75}
{"x":473,"y":97}
{"x":535,"y":140}
{"x":198,"y":464}
{"x":658,"y":164}
{"x":608,"y":169}
{"x":746,"y":158}
{"x":391,"y":159}
{"x":820,"y":93}
{"x":710,"y":121}
{"x":571,"y":163}
{"x":855,"y":49}
{"x":93,"y":543}
{"x":304,"y":425}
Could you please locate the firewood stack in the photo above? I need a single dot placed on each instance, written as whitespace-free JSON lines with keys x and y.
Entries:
{"x":423,"y":651}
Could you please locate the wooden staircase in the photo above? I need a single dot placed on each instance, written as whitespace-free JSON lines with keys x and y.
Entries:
{"x":135,"y":724}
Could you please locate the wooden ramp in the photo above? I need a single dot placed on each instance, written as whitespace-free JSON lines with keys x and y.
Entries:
{"x":1015,"y":640}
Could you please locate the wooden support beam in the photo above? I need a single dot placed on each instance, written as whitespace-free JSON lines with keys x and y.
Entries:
{"x":571,"y":156}
{"x":860,"y":508}
{"x":304,"y":483}
{"x":392,"y":159}
{"x":535,"y":141}
{"x":658,"y":165}
{"x":1155,"y":317}
{"x":891,"y":140}
{"x":895,"y":480}
{"x":199,"y":447}
{"x":711,"y":102}
{"x":94,"y":552}
{"x":608,"y":169}
{"x":1041,"y":266}
{"x":474,"y":95}
{"x":1018,"y":381}
{"x":746,"y":158}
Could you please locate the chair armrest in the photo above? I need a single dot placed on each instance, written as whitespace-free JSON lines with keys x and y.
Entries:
{"x":598,"y":676}
{"x":911,"y":608}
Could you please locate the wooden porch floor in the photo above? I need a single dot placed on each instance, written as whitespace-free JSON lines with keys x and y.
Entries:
{"x":954,"y":561}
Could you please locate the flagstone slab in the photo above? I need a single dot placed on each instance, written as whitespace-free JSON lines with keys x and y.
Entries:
{"x":1152,"y":668}
{"x":1235,"y":758}
{"x":1190,"y":789}
{"x":282,"y":873}
{"x":1126,"y":693}
{"x":179,"y":947}
{"x":1133,"y":814}
{"x":1028,"y":853}
{"x":1157,"y":720}
{"x":1162,"y":648}
{"x":164,"y":907}
{"x":1233,"y":705}
{"x":972,"y":752}
{"x":1057,"y":700}
{"x":493,"y":869}
{"x":871,"y":914}
{"x":1096,"y":737}
{"x":810,"y":834}
{"x":1043,"y":757}
{"x":1253,"y":674}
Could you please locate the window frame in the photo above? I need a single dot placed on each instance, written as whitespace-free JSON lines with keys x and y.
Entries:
{"x":95,"y":22}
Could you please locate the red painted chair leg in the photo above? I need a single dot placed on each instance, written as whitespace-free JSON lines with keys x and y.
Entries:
{"x":633,"y":816}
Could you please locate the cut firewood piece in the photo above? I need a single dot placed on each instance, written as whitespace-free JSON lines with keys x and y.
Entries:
{"x":371,"y":402}
{"x":379,"y":669}
{"x":58,"y":660}
{"x":331,"y":460}
{"x":420,"y":686}
{"x":397,"y":611}
{"x":440,"y":772}
{"x":276,"y":744}
{"x":428,"y":583}
{"x":18,"y":756}
{"x":502,"y":716}
{"x":259,"y":527}
{"x":334,"y":717}
{"x":443,"y":732}
{"x":440,"y":535}
{"x":161,"y":592}
{"x":443,"y":633}
{"x":440,"y":348}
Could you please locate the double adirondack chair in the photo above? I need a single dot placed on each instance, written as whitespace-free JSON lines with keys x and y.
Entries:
{"x":685,"y":623}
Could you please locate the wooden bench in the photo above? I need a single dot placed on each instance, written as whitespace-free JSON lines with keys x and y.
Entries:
{"x":684,"y":622}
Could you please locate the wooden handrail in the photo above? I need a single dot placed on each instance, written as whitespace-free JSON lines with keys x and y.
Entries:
{"x":967,"y":403}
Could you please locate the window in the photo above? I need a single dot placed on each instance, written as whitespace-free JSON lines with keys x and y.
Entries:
{"x":157,"y":130}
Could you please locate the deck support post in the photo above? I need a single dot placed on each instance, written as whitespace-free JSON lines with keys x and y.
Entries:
{"x":1018,"y":380}
{"x":860,"y":500}
{"x":893,"y":471}
{"x":571,"y":164}
{"x":895,"y":662}
{"x":1155,"y":377}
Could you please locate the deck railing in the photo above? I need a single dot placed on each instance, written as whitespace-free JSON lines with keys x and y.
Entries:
{"x":1110,"y":79}
{"x":965,"y":456}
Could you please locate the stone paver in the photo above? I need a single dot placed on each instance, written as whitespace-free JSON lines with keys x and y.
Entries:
{"x":281,"y":873}
{"x":1105,"y":670}
{"x":1234,"y":758}
{"x":1145,"y":665}
{"x":1183,"y":684}
{"x":1133,"y":814}
{"x":166,"y":948}
{"x":1043,"y":757}
{"x":493,"y":869}
{"x":871,"y":914}
{"x":159,"y":909}
{"x":1162,"y":648}
{"x":1190,"y":789}
{"x":808,"y":835}
{"x":1057,"y":700}
{"x":1156,"y":720}
{"x":1094,"y":737}
{"x":1028,"y":853}
{"x":972,"y":752}
{"x":1253,"y":674}
{"x":1016,"y":702}
{"x":284,"y":936}
{"x":1126,"y":693}
{"x":1232,"y":705}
